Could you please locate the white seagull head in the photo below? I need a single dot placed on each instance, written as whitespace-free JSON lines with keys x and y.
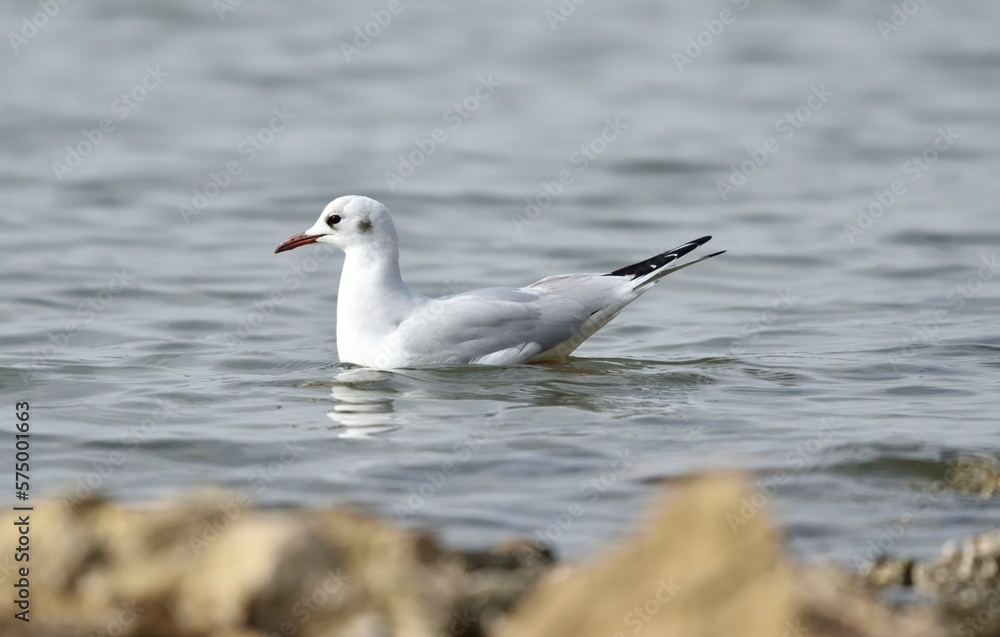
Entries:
{"x":351,"y":222}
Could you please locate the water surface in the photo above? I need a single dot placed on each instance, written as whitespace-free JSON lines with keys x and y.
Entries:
{"x":844,"y":350}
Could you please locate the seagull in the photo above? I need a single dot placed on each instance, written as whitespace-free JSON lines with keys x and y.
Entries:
{"x":382,"y":324}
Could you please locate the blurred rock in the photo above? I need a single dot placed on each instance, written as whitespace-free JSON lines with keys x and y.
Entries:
{"x":888,"y":571}
{"x":708,"y":563}
{"x":965,"y":583}
{"x":833,"y":605}
{"x":215,"y":566}
{"x":978,"y":475}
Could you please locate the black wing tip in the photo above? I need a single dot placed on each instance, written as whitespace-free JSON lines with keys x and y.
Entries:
{"x":643,"y":268}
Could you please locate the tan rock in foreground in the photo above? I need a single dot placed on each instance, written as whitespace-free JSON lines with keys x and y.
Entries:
{"x":708,"y":563}
{"x":701,"y":568}
{"x":214,"y":566}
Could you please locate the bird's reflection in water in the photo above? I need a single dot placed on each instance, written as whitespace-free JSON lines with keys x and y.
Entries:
{"x":364,"y":403}
{"x":365,"y":399}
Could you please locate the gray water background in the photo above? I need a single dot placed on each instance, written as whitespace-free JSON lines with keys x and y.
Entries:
{"x":163,"y":346}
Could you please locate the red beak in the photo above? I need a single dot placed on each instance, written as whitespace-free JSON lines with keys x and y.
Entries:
{"x":295,"y":241}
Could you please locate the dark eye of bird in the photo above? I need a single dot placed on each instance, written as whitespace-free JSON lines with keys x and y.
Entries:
{"x":333,"y":220}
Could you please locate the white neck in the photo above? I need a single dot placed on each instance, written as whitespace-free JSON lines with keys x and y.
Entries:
{"x":373,"y":298}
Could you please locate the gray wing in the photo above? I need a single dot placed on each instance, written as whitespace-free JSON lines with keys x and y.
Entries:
{"x":503,"y":326}
{"x":546,"y":320}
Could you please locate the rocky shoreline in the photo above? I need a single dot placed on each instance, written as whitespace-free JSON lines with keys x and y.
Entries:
{"x":211,"y":566}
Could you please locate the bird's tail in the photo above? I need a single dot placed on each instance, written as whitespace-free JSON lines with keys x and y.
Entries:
{"x":646,"y":273}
